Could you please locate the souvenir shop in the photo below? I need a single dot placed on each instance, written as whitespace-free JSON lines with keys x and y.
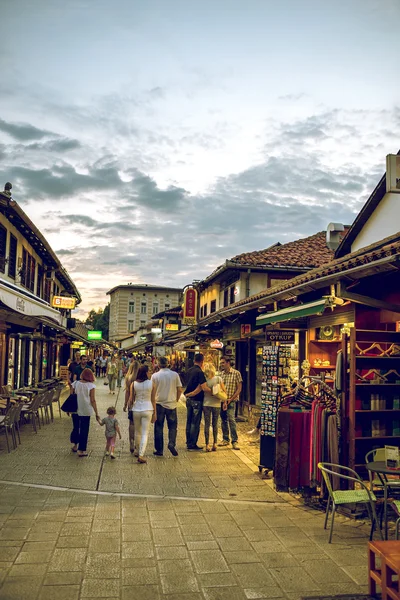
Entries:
{"x":346,"y":400}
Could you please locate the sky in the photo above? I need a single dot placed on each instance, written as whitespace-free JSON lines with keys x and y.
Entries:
{"x":150,"y":141}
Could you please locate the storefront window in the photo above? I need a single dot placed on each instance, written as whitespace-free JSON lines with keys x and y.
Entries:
{"x":11,"y":361}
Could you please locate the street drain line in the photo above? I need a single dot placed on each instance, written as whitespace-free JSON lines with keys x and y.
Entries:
{"x":55,"y":488}
{"x":102,"y":461}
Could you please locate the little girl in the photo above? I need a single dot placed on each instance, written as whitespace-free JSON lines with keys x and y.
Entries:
{"x":112,"y":428}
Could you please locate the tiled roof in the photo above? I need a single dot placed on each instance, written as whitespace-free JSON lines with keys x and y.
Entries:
{"x":306,"y":253}
{"x":388,"y":248}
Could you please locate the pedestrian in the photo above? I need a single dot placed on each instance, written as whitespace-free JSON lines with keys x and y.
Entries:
{"x":167,"y":389}
{"x":83,"y":364}
{"x":98,"y":366}
{"x":120,"y":369}
{"x":142,"y":403}
{"x":211,"y":406}
{"x":112,"y":429}
{"x":84,"y":388}
{"x":103,"y":366}
{"x":112,"y":374}
{"x":129,"y":379}
{"x":72,"y":366}
{"x":233,"y":384}
{"x":195,"y":387}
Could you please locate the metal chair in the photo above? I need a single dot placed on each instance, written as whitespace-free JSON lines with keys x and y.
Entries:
{"x":56,"y":398}
{"x":377,"y":455}
{"x":31,"y":409}
{"x":339,"y":497}
{"x":7,"y":423}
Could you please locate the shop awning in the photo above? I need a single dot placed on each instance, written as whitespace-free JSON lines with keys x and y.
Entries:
{"x":26,"y":304}
{"x":294,"y":312}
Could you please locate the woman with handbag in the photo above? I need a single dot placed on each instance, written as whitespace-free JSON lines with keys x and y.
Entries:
{"x":212,"y":404}
{"x":86,"y":407}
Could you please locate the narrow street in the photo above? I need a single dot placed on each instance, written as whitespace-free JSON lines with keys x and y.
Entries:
{"x":199,"y":526}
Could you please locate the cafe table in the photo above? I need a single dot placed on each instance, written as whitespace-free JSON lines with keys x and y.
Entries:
{"x":382,"y":471}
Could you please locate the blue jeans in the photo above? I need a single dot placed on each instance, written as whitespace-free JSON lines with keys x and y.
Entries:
{"x":172,"y":421}
{"x":228,"y":422}
{"x":193,"y":420}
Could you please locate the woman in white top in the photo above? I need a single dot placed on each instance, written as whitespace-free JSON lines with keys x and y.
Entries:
{"x":143,"y":405}
{"x":84,"y":389}
{"x":211,"y":406}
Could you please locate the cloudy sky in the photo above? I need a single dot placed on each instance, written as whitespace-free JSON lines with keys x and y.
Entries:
{"x":151,"y":140}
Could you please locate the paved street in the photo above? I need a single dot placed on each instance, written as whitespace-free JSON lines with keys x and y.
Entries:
{"x":125,"y":530}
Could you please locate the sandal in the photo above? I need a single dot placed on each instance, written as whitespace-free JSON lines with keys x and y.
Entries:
{"x":142,"y":460}
{"x":208,"y":449}
{"x":81,"y":454}
{"x":214,"y":448}
{"x":74,"y":448}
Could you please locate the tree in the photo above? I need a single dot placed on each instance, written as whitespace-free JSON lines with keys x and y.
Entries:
{"x":99,"y":320}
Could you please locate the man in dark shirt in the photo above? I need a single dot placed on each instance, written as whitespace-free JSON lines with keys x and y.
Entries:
{"x":73,"y":365}
{"x":82,"y":365}
{"x":195,"y":387}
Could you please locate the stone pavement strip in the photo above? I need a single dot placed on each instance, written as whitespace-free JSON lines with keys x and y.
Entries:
{"x":171,"y":529}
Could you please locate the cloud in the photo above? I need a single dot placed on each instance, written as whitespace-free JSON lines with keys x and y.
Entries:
{"x":23,"y":132}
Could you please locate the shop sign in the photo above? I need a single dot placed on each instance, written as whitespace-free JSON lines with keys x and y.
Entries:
{"x":284,"y":336}
{"x":217,"y":344}
{"x":76,"y":344}
{"x":245,"y":330}
{"x":95,"y":335}
{"x":63,"y":302}
{"x":172,"y":327}
{"x":190,"y":307}
{"x":156,"y":330}
{"x":232,"y":332}
{"x":64,"y":373}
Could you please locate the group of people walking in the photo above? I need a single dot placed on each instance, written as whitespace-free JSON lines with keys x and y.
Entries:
{"x":154,"y":400}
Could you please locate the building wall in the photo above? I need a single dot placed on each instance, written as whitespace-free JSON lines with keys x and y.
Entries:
{"x":22,"y":242}
{"x":382,"y":223}
{"x":126,"y":307}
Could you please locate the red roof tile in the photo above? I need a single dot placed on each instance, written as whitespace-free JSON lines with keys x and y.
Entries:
{"x":306,"y":253}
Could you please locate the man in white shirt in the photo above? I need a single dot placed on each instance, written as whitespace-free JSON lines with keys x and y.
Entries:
{"x":167,"y":389}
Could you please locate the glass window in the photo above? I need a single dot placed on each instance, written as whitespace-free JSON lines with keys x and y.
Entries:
{"x":205,"y":310}
{"x":155,"y":308}
{"x":167,"y":305}
{"x":226,"y":292}
{"x":131,"y":307}
{"x":130,"y":326}
{"x":213,"y":306}
{"x":3,"y":245}
{"x":39,"y":282}
{"x":232,"y":295}
{"x":142,"y":323}
{"x":12,"y":257}
{"x":143,"y":308}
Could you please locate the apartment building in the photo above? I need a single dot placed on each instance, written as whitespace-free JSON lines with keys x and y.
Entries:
{"x":133,"y":305}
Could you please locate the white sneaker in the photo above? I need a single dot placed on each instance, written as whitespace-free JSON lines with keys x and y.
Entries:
{"x":107,"y":454}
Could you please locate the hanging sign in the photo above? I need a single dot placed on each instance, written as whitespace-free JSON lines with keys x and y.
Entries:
{"x":95,"y":335}
{"x":217,"y":344}
{"x":284,"y":336}
{"x":156,"y":330}
{"x":245,"y":330}
{"x":63,"y":302}
{"x":64,"y":373}
{"x":190,"y":307}
{"x":172,"y":327}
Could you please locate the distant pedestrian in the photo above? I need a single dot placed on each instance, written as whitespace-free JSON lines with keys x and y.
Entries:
{"x":167,"y":389}
{"x":129,"y":379}
{"x":103,"y":366}
{"x":195,"y":387}
{"x":211,"y":406}
{"x":72,"y":366}
{"x":144,"y":410}
{"x":98,"y":366}
{"x":112,"y":429}
{"x":85,"y":391}
{"x":233,"y":383}
{"x":120,"y":369}
{"x":112,"y":374}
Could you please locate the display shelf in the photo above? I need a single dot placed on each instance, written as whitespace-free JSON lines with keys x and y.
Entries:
{"x":384,"y":418}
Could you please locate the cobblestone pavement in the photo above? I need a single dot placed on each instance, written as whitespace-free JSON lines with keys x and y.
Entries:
{"x":88,"y":542}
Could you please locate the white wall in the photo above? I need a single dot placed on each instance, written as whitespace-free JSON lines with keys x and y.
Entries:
{"x":385,"y":221}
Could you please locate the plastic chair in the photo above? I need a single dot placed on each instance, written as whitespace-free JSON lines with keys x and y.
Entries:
{"x":339,"y":497}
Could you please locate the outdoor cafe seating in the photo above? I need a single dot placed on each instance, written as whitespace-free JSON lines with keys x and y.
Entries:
{"x":30,"y":404}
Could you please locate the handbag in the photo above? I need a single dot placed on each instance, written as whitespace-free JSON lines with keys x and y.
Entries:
{"x":71,"y":404}
{"x":218,"y":392}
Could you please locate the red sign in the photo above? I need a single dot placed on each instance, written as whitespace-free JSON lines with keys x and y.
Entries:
{"x":245,"y":330}
{"x":190,"y":307}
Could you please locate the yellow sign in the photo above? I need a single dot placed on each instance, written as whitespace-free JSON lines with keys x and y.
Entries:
{"x":172,"y":327}
{"x":64,"y":302}
{"x":64,"y":373}
{"x":76,"y":344}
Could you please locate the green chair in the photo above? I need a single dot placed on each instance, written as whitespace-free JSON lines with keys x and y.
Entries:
{"x":330,"y":472}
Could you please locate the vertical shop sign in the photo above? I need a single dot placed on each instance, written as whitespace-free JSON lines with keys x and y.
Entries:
{"x":190,"y":307}
{"x":245,"y":330}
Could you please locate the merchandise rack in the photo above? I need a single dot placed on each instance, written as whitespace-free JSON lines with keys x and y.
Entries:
{"x":371,"y":427}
